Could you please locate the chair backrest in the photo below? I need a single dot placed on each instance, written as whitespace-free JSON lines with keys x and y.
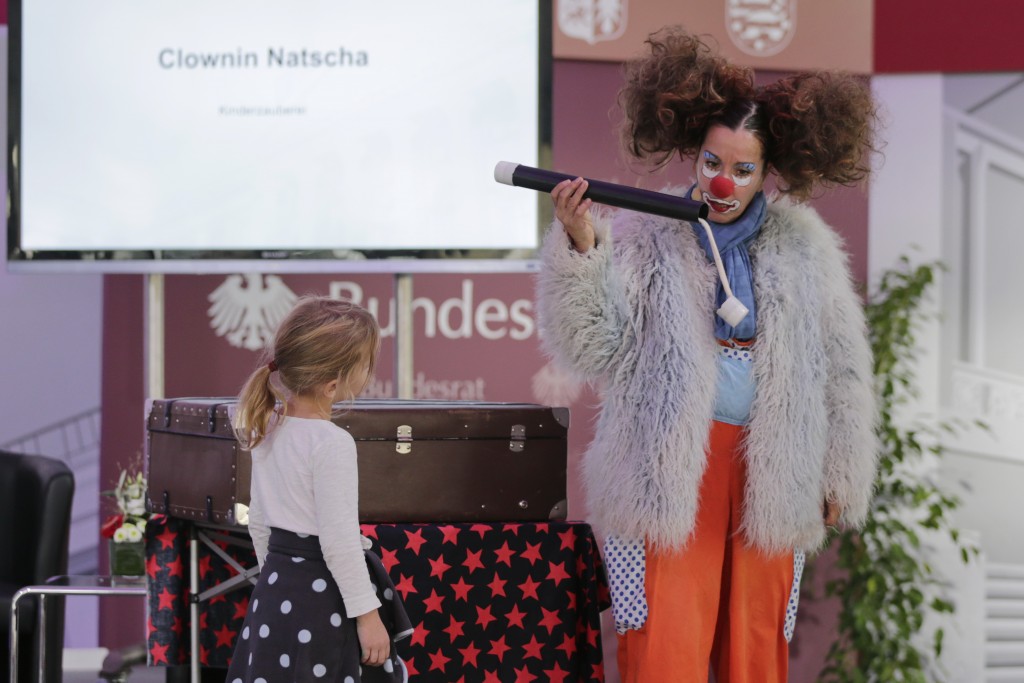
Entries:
{"x":35,"y":517}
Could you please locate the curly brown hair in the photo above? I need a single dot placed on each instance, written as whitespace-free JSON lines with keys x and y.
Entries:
{"x":816,"y":129}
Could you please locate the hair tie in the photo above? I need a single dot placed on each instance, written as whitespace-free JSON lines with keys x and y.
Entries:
{"x":272,"y":365}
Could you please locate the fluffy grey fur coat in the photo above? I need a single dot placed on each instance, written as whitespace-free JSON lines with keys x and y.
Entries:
{"x":635,"y":314}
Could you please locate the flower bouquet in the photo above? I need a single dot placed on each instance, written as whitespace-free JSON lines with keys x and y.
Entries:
{"x":125,"y":530}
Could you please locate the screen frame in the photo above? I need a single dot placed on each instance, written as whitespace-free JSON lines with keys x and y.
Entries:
{"x":265,"y":261}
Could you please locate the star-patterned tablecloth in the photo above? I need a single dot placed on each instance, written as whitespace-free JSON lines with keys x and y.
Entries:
{"x":491,"y":602}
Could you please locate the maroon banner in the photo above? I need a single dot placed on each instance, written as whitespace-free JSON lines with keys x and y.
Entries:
{"x":927,"y":36}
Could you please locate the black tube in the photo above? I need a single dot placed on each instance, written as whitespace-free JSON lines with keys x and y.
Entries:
{"x":622,"y":196}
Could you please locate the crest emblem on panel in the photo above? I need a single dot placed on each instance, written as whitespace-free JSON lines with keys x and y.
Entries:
{"x":761,"y":27}
{"x":246,"y":309}
{"x":592,"y":20}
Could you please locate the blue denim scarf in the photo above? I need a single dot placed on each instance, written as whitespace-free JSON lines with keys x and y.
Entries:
{"x":733,"y":240}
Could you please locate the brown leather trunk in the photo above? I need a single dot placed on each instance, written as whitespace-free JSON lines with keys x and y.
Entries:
{"x":419,"y":461}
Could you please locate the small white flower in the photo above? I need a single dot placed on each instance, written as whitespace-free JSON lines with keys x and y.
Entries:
{"x":121,"y":535}
{"x":133,"y":533}
{"x":135,"y":507}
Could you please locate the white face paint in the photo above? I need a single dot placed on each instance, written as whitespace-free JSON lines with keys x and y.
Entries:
{"x":736,"y":154}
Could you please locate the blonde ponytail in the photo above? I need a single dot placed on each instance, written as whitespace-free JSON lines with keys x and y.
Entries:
{"x":256,"y":404}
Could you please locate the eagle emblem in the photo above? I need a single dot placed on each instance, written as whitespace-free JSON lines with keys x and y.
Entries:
{"x":246,"y":310}
{"x":592,"y":20}
{"x":761,"y":27}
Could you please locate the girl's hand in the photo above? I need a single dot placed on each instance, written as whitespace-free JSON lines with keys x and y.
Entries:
{"x":573,"y":211}
{"x":831,"y":513}
{"x":373,"y":639}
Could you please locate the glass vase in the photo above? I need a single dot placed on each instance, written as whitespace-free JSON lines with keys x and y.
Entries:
{"x":127,"y":558}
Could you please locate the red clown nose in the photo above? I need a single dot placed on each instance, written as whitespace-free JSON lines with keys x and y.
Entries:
{"x":722,"y":187}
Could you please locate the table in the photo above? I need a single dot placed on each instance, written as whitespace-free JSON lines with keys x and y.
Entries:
{"x":491,"y":602}
{"x":66,"y":585}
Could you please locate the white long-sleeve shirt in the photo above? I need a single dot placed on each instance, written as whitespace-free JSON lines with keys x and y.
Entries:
{"x":305,"y":479}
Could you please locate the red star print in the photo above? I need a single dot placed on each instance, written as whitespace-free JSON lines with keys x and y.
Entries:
{"x":592,"y":634}
{"x":499,"y":648}
{"x":152,"y":567}
{"x":529,"y":588}
{"x":572,"y":601}
{"x":158,"y":653}
{"x":241,"y":607}
{"x":473,"y":562}
{"x":433,"y":603}
{"x":166,"y":599}
{"x":177,"y":627}
{"x":568,"y":539}
{"x":451,"y":534}
{"x":202,"y":620}
{"x":204,"y":656}
{"x":438,"y":661}
{"x":219,"y":598}
{"x":542,"y":528}
{"x":454,"y":629}
{"x":461,"y":589}
{"x":557,"y":572}
{"x":404,"y":586}
{"x":497,"y":586}
{"x":469,"y":654}
{"x":204,"y":566}
{"x":368,"y":530}
{"x":415,"y":540}
{"x":481,"y":529}
{"x":438,"y":567}
{"x":556,"y":675}
{"x":410,"y":666}
{"x":389,"y":558}
{"x":504,"y":554}
{"x":598,"y":671}
{"x":515,"y":617}
{"x":532,"y":552}
{"x":524,"y":676}
{"x":174,"y":568}
{"x":484,"y":616}
{"x":491,"y":677}
{"x":532,"y":648}
{"x":167,"y":539}
{"x":514,"y":528}
{"x":550,"y":619}
{"x":568,"y":645}
{"x":225,"y":636}
{"x":419,"y":635}
{"x":581,"y":566}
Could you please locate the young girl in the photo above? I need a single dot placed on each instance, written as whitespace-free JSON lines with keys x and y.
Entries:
{"x":725,"y":448}
{"x":316,"y":613}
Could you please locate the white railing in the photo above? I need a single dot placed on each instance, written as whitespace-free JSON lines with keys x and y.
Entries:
{"x":76,"y":441}
{"x":1004,"y":623}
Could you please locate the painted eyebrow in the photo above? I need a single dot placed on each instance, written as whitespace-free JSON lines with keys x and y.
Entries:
{"x":747,"y":166}
{"x":709,"y":155}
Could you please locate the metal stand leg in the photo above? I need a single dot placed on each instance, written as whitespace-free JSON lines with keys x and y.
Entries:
{"x":193,"y":546}
{"x":14,"y":639}
{"x":42,"y":639}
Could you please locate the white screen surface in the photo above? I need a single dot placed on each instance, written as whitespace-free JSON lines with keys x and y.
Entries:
{"x":264,"y":125}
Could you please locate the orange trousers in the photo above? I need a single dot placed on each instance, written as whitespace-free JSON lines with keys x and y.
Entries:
{"x":717,"y":602}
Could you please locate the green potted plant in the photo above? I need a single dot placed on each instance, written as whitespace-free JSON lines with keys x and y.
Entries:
{"x":886,"y":585}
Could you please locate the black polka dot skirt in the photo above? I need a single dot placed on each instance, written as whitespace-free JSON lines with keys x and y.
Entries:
{"x":296,"y":628}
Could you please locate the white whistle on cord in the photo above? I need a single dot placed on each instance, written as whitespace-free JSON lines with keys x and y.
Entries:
{"x":732,"y":310}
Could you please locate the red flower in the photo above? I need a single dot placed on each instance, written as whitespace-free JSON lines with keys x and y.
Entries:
{"x":112,"y":524}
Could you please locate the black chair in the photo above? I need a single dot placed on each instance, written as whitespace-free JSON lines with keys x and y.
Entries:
{"x":35,"y":520}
